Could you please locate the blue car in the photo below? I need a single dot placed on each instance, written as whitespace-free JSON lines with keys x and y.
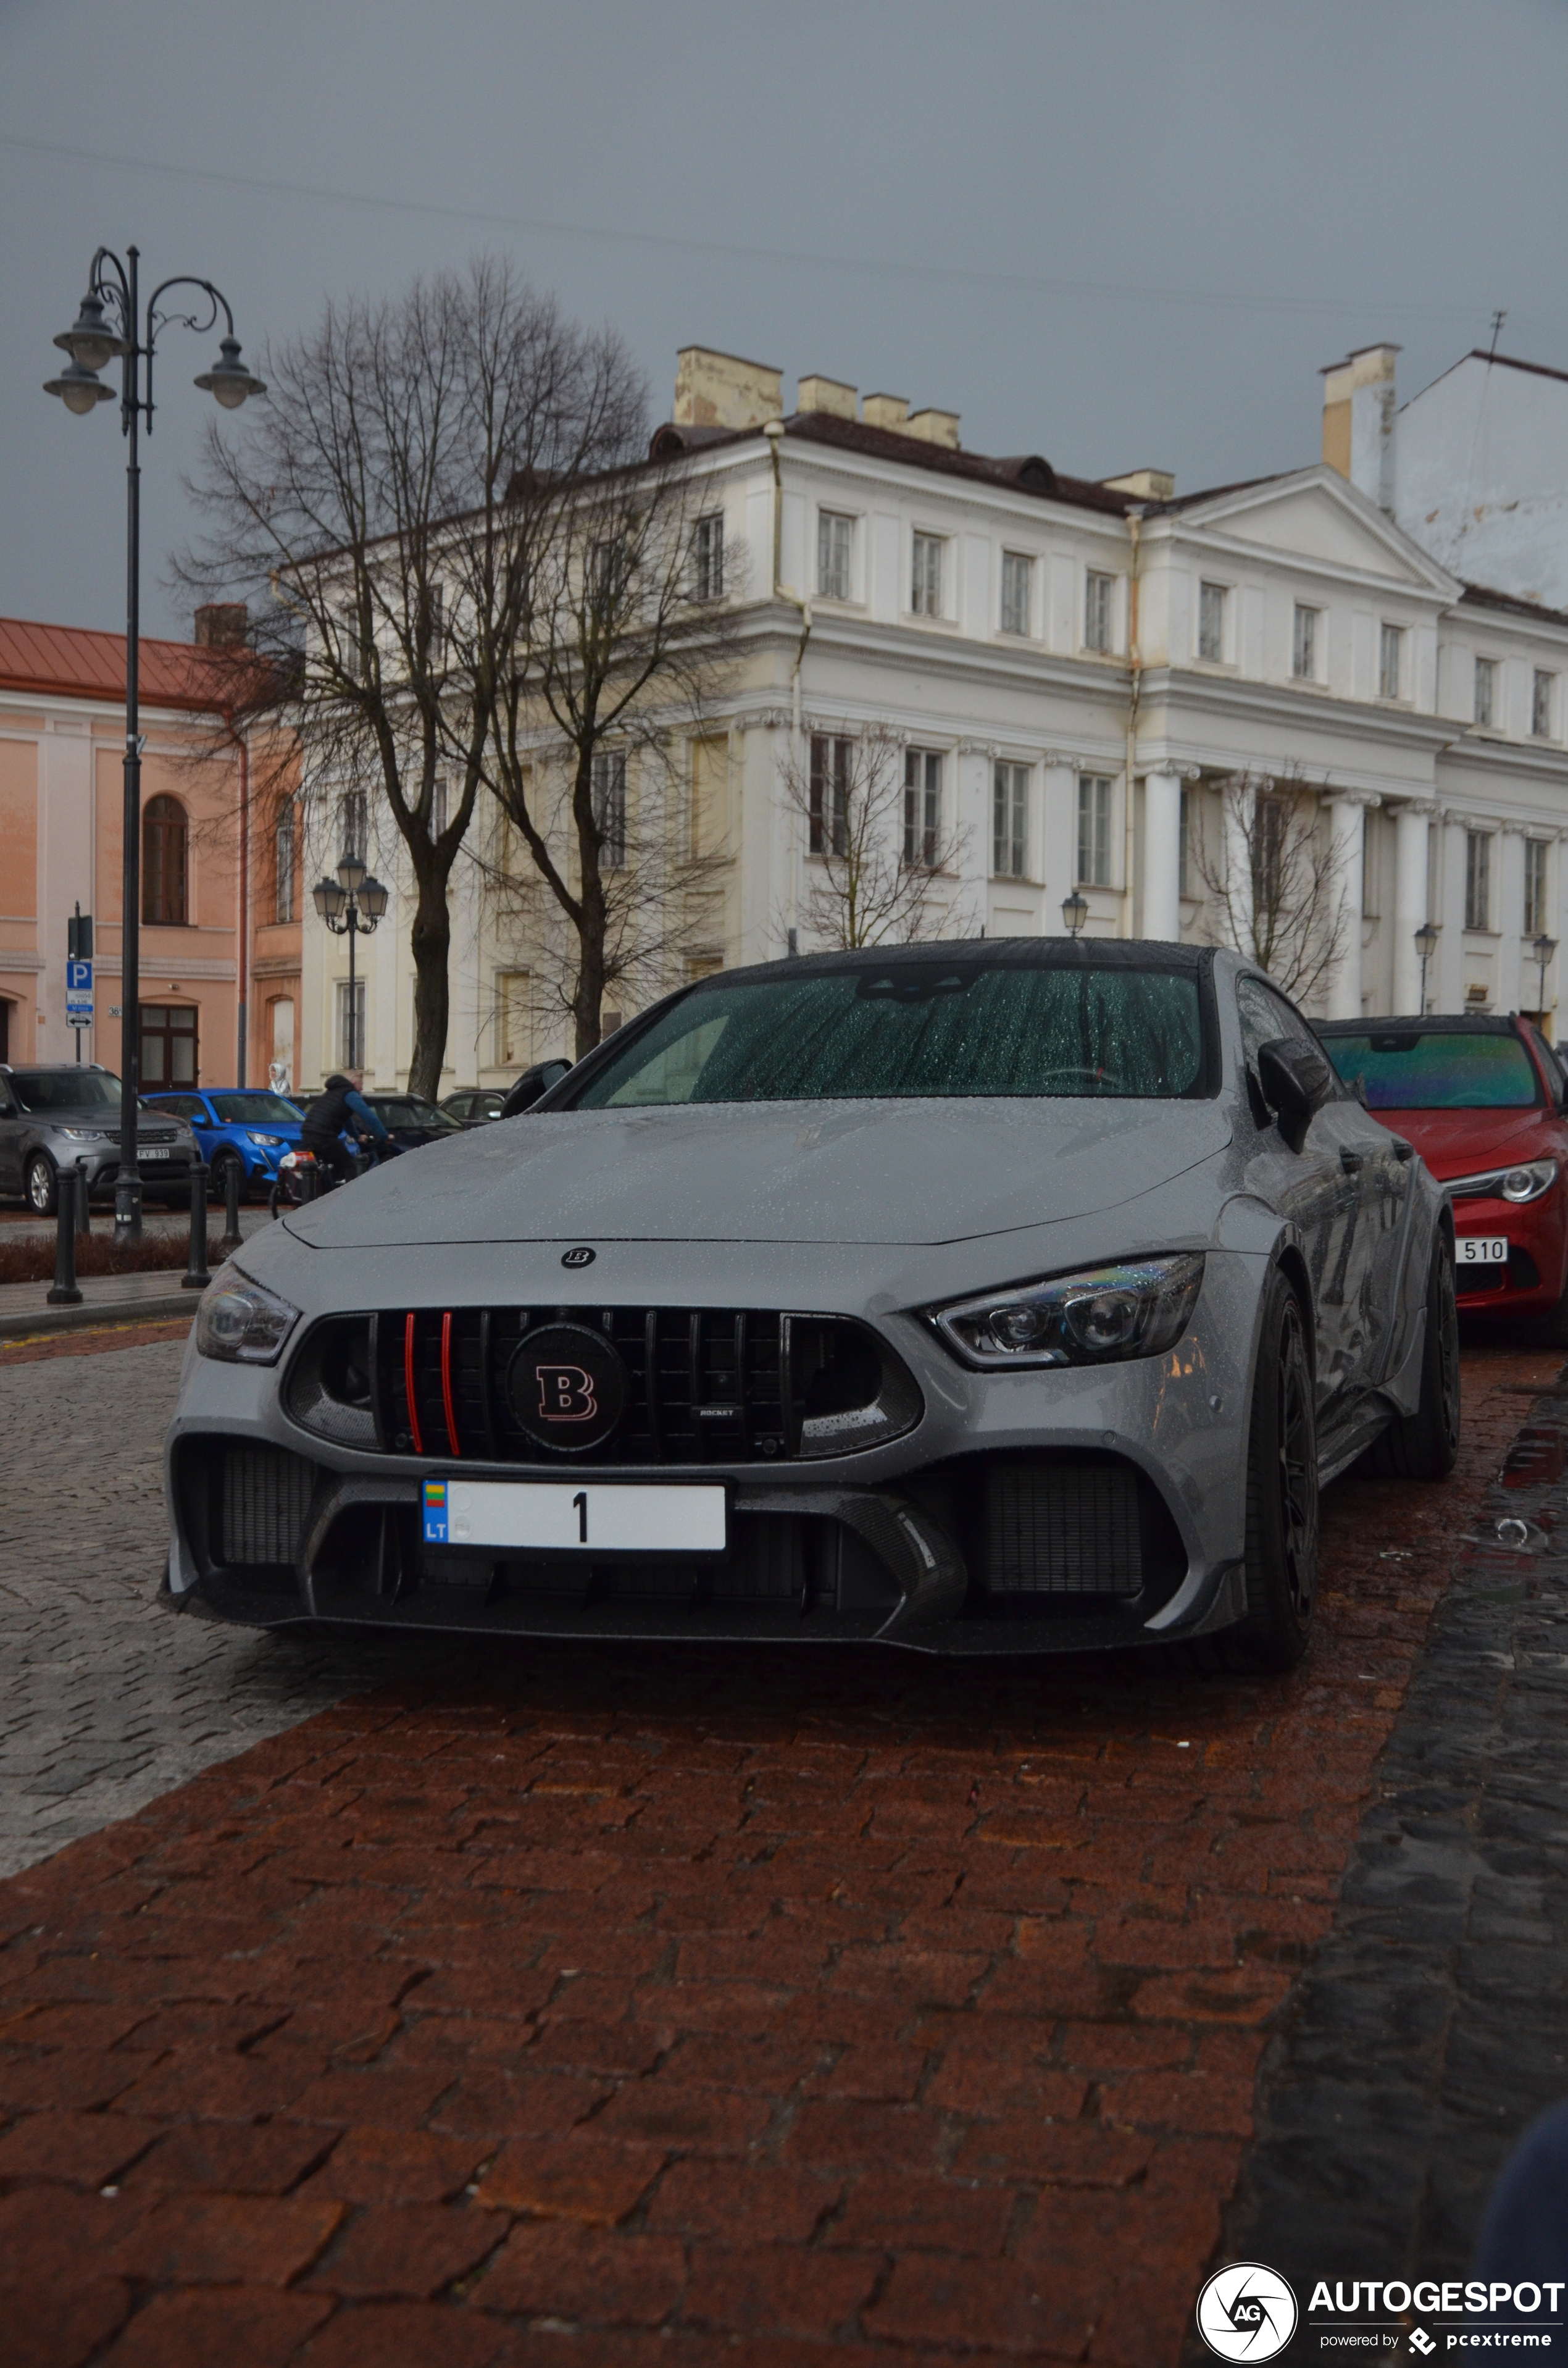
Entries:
{"x":238,"y":1126}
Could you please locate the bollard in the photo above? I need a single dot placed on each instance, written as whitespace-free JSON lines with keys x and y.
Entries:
{"x":64,"y":1292}
{"x":309,"y":1180}
{"x":196,"y":1277}
{"x":231,"y":1205}
{"x":83,"y":1210}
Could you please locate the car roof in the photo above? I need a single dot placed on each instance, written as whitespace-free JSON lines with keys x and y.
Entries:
{"x":1431,"y":1023}
{"x":995,"y":953}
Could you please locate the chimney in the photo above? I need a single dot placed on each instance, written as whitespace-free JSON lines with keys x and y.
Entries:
{"x":886,"y":411}
{"x":720,"y":390}
{"x":1148,"y":484}
{"x":1358,"y":421}
{"x":221,"y":626}
{"x":936,"y":426}
{"x":828,"y":395}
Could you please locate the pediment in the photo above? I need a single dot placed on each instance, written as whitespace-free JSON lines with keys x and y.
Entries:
{"x":1317,"y":516}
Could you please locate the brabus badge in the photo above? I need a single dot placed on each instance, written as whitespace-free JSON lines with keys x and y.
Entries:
{"x":582,"y":1255}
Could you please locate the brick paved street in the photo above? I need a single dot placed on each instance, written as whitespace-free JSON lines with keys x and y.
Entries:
{"x":629,"y":2006}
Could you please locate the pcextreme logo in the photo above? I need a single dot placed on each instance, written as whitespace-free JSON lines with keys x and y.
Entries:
{"x":1246,"y":2312}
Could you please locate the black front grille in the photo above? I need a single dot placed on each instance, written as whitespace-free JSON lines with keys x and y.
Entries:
{"x":704,"y":1385}
{"x":1062,"y":1529}
{"x":266,"y":1496}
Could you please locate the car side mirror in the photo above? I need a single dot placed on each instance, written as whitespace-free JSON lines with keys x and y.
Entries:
{"x":1297,"y":1079}
{"x":532,"y":1086}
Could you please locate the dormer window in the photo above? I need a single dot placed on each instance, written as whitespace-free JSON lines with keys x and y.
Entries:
{"x":1486,"y":692}
{"x":1211,"y":623}
{"x":1304,"y":645}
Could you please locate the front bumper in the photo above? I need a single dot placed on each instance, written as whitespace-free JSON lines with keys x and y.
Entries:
{"x":1537,"y":1234}
{"x":157,"y":1175}
{"x":1047,"y":1510}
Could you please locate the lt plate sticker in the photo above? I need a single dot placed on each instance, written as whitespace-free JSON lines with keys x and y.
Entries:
{"x":435,"y":1512}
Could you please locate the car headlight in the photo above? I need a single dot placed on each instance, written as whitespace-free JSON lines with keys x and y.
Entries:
{"x":1529,"y":1182}
{"x":85,"y":1133}
{"x":271,"y":1141}
{"x":240,"y":1324}
{"x":1097,"y":1317}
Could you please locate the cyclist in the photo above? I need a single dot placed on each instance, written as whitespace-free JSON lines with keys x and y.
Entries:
{"x":340,"y":1109}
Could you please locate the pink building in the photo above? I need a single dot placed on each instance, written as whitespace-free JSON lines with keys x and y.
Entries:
{"x":203,"y":898}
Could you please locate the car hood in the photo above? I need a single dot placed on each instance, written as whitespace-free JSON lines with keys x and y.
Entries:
{"x":1465,"y":1142}
{"x":806,"y":1172}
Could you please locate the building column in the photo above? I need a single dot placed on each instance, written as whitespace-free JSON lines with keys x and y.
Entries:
{"x":1238,"y":802}
{"x":1346,"y":828}
{"x":1445,"y":984}
{"x":1513,"y":960}
{"x":1411,"y":831}
{"x":1060,"y":838}
{"x":1162,"y":856}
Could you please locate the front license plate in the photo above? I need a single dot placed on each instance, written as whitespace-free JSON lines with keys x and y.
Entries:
{"x":1481,"y":1249}
{"x":150,"y":1151}
{"x":563,"y":1517}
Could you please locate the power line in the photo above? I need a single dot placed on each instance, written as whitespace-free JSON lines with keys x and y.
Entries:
{"x":961,"y":274}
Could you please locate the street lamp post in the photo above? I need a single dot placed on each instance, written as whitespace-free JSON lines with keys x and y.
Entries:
{"x":1425,"y":946}
{"x":112,"y":326}
{"x":1075,"y":912}
{"x":1543,"y":948}
{"x":350,"y":906}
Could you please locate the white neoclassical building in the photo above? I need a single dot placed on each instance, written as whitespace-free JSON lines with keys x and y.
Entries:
{"x":1074,"y":671}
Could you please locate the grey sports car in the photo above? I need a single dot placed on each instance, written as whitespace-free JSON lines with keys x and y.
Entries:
{"x":986,"y":1297}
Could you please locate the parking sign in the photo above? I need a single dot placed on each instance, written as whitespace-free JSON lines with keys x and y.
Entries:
{"x":78,"y":994}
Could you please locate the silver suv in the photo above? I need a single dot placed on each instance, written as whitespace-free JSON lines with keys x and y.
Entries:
{"x":69,"y":1117}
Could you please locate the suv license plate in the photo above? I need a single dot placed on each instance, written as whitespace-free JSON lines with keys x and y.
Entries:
{"x":1481,"y":1249}
{"x":571,"y":1517}
{"x":151,"y":1151}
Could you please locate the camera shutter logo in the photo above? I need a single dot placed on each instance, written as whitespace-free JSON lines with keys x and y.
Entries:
{"x":1246,"y":2312}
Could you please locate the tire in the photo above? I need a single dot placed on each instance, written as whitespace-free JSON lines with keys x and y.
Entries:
{"x":42,"y":1187}
{"x":218,"y":1177}
{"x":1282,"y":1495}
{"x":1425,"y":1445}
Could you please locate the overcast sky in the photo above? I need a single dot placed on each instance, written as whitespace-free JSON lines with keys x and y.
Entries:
{"x":1122,"y":233}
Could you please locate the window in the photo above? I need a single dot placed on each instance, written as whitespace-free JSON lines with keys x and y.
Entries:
{"x":611,"y":568}
{"x":434,"y":622}
{"x":1478,"y":880}
{"x":1265,"y":1018}
{"x":284,"y":882}
{"x":925,"y":587}
{"x":168,"y":1045}
{"x":834,"y":544}
{"x":354,"y":816}
{"x":1435,"y":1071}
{"x":710,"y":796}
{"x":1184,"y":825}
{"x":1541,"y":705}
{"x":1485,"y":691}
{"x":609,"y":809}
{"x":831,"y":761}
{"x":1094,"y":830}
{"x":514,"y":1019}
{"x":921,"y":808}
{"x":708,"y":558}
{"x":164,"y":840}
{"x":1009,"y":822}
{"x":1018,"y":592}
{"x":1535,"y":886}
{"x":1210,"y":625}
{"x":1304,"y":645}
{"x":1390,"y":647}
{"x":1097,"y":593}
{"x":350,"y":1025}
{"x":351,"y":652}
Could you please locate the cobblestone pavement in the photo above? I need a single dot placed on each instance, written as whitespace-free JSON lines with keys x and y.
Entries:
{"x":105,"y":1701}
{"x":1433,"y":2025}
{"x":634,"y":2005}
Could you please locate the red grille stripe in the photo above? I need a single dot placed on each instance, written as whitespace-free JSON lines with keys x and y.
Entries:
{"x":408,"y":1385}
{"x":446,"y":1381}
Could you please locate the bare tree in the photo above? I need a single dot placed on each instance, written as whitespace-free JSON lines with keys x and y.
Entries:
{"x":1274,"y":885}
{"x":629,"y":640}
{"x":384,"y":517}
{"x":882,"y":853}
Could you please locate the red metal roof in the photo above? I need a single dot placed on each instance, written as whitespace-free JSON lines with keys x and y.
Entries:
{"x":67,"y":661}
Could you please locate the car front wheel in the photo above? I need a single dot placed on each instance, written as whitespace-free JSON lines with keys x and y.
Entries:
{"x":1282,"y":1493}
{"x":41,"y":1187}
{"x":218,"y":1176}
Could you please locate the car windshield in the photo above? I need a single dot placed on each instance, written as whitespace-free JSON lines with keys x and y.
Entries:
{"x":916,"y":1028}
{"x":407,"y":1109}
{"x":1425,"y":1069}
{"x":42,"y":1090}
{"x":254,"y":1110}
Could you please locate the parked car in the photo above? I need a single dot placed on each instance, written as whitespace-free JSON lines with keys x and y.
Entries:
{"x":410,"y":1120}
{"x":236,"y":1126}
{"x":58,"y":1117}
{"x":532,"y":1086}
{"x":1010,"y":1296}
{"x":1483,"y":1096}
{"x":474,"y":1106}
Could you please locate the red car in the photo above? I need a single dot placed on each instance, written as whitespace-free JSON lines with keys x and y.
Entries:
{"x":1482,"y":1100}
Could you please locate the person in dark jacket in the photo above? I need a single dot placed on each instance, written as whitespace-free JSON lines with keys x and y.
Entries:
{"x":340,"y":1109}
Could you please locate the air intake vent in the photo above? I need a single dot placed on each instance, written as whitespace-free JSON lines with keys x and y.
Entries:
{"x":1062,"y":1529}
{"x":266,"y":1497}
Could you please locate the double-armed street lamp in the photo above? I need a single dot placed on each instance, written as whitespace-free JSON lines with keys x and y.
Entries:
{"x":113,"y":327}
{"x":350,"y":906}
{"x":1425,"y":947}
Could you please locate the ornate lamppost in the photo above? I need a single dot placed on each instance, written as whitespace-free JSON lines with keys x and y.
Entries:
{"x":1543,"y":948}
{"x":350,"y":906}
{"x":1425,"y":946}
{"x":1075,"y":912}
{"x":112,"y":326}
